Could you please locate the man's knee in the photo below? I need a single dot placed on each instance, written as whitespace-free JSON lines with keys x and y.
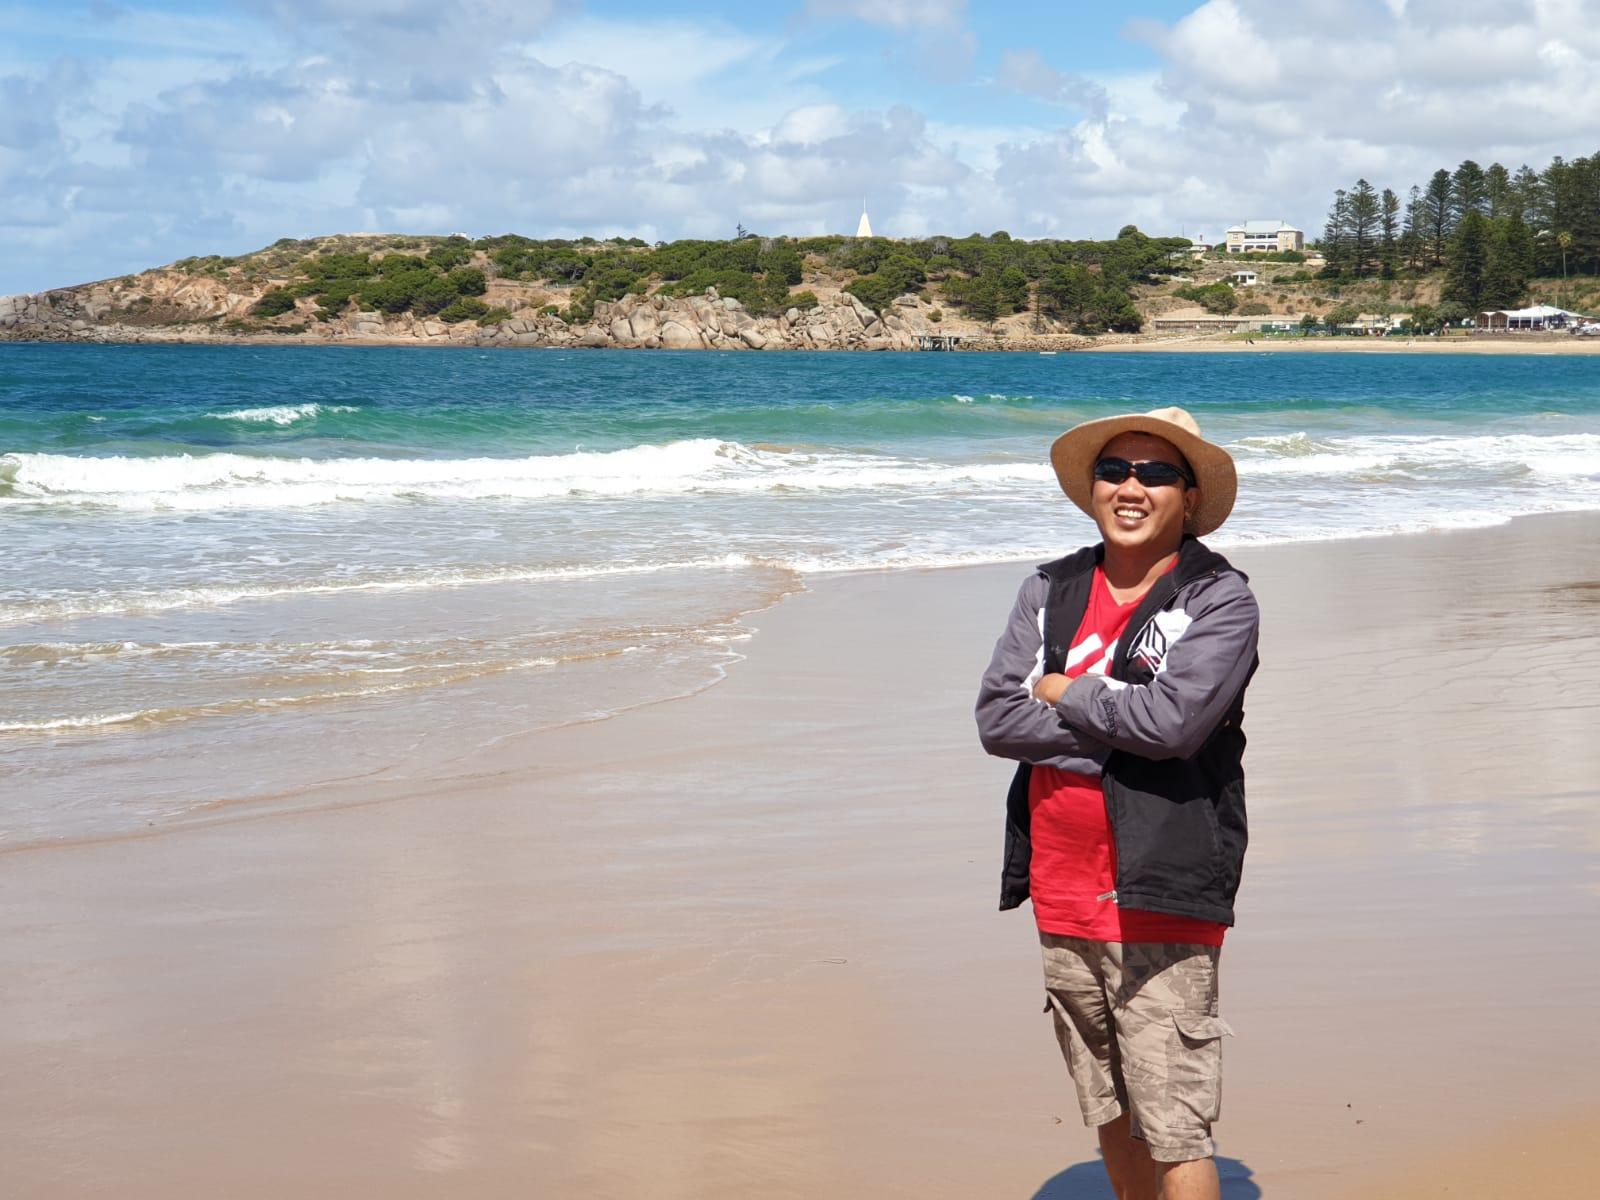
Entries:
{"x":1192,"y":1179}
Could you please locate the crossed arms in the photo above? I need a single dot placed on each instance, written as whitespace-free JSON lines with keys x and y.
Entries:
{"x":1027,"y":715}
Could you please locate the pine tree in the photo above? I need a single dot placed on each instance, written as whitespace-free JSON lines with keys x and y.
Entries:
{"x":1586,"y":231}
{"x":1336,"y":235}
{"x":1520,"y":244}
{"x":1469,"y":191}
{"x":1388,"y":233}
{"x":1528,"y":191}
{"x":1571,"y":193}
{"x":1535,"y":223}
{"x":1361,"y":222}
{"x":1412,"y":240}
{"x":1497,"y":188}
{"x":1504,"y":282}
{"x":1436,"y":223}
{"x":1469,"y":251}
{"x":1067,"y":292}
{"x":1557,"y":213}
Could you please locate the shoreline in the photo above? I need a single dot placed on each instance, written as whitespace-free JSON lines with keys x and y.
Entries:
{"x":334,"y":793}
{"x":1564,"y":345}
{"x":667,"y":953}
{"x":1050,"y":344}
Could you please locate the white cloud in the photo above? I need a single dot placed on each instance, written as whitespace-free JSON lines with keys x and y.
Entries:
{"x":498,"y":115}
{"x":936,"y":38}
{"x":1026,"y":71}
{"x":1254,"y":114}
{"x":668,"y":60}
{"x":902,"y":16}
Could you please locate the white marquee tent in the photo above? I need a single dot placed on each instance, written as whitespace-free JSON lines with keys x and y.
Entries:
{"x":1540,"y":316}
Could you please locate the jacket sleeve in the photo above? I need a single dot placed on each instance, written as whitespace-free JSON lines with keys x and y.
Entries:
{"x":1204,"y":669}
{"x":1011,"y":723}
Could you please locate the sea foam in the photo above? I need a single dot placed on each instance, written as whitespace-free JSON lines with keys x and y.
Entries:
{"x":1574,"y":456}
{"x":699,"y":465}
{"x":280,"y":414}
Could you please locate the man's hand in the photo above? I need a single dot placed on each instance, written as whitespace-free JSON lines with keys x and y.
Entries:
{"x":1050,"y":687}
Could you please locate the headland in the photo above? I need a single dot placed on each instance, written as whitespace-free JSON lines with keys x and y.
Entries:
{"x":827,"y":293}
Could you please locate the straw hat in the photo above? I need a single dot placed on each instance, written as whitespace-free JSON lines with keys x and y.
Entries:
{"x":1076,"y":450}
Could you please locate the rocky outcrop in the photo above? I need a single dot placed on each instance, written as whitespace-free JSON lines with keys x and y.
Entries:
{"x":713,"y":322}
{"x":169,"y":306}
{"x":48,"y":316}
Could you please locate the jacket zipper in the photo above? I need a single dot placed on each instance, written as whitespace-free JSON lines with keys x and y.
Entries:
{"x":1116,"y":842}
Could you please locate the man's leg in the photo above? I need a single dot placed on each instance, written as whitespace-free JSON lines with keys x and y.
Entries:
{"x":1192,"y":1180}
{"x":1075,"y":985}
{"x":1169,"y":1049}
{"x":1128,"y":1163}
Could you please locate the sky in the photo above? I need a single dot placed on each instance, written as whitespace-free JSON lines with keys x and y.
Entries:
{"x":136,"y":132}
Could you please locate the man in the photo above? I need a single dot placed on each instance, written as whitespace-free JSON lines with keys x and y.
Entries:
{"x":1118,"y":686}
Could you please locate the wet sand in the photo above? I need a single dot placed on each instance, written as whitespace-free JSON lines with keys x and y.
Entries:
{"x":746,"y":943}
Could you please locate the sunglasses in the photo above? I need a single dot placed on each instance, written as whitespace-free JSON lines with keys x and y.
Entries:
{"x":1150,"y":474}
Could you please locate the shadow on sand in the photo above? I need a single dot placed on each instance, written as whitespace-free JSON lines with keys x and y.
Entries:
{"x":1087,"y":1181}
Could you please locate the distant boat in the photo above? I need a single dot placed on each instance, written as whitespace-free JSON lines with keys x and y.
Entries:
{"x":1047,"y":354}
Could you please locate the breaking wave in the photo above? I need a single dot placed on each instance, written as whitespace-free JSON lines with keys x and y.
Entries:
{"x":699,"y":465}
{"x":280,"y":414}
{"x":1570,"y":457}
{"x":709,"y":466}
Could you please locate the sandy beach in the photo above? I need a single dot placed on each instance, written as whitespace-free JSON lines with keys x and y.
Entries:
{"x":745,"y":943}
{"x":1559,"y":344}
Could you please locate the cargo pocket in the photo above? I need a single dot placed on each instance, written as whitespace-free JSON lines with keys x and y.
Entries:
{"x":1196,"y":1074}
{"x":1197,"y":1028}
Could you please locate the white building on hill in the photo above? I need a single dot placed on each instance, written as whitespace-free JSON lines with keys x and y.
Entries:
{"x":1264,"y":237}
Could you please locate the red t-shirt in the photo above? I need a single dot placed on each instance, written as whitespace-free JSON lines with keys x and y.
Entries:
{"x":1074,"y":864}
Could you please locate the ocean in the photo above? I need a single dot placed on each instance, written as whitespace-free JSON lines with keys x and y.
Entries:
{"x":245,"y":575}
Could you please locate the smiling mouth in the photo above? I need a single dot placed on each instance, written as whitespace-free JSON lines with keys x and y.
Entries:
{"x":1130,"y":514}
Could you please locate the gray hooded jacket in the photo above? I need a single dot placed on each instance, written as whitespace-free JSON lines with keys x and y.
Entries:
{"x":1163,"y":728}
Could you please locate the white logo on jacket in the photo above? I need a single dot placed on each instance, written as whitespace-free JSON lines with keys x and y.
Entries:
{"x":1157,"y":639}
{"x":1154,"y":644}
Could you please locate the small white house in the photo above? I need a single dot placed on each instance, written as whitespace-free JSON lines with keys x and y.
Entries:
{"x":1373,"y":324}
{"x":1244,"y":278}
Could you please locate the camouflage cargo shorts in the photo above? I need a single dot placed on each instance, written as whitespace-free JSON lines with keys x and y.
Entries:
{"x":1138,"y":1026}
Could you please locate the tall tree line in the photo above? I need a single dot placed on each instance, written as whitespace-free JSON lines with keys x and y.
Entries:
{"x":1490,"y":229}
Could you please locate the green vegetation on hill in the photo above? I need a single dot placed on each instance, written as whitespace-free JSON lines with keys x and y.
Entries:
{"x":1086,"y":284}
{"x":426,"y":284}
{"x":1218,"y":297}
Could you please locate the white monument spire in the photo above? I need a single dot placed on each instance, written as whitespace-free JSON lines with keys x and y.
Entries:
{"x":865,"y":228}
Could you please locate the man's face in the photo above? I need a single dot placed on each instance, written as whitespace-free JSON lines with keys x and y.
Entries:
{"x":1134,"y":517}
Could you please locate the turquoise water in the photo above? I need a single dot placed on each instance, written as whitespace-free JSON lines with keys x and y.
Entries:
{"x":253,"y":547}
{"x":104,"y":400}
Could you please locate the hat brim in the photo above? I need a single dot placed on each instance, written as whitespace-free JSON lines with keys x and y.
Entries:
{"x":1074,"y":453}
